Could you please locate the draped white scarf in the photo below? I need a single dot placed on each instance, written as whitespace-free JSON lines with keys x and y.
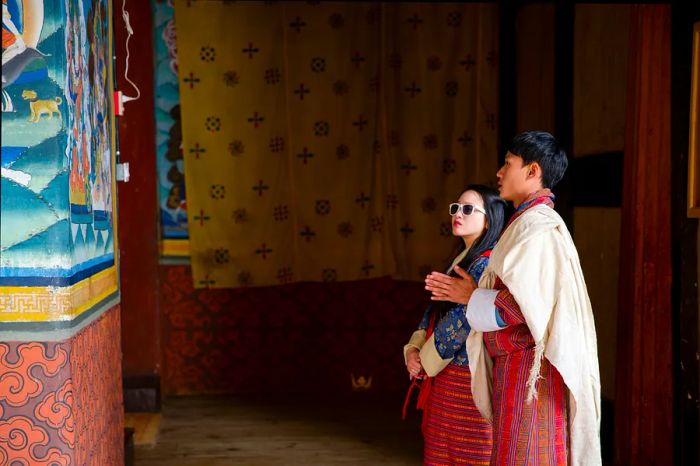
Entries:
{"x":537,"y":260}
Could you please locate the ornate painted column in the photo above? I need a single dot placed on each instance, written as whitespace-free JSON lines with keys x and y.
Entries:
{"x":60,"y":350}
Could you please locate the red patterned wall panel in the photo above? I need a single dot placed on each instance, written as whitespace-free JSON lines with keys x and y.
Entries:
{"x":31,"y":375}
{"x":305,"y":338}
{"x":97,"y":378}
{"x":61,"y":402}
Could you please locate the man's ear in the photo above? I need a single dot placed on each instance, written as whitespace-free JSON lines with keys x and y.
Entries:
{"x":534,"y":170}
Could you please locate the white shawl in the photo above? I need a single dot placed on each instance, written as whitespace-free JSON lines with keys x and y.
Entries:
{"x":537,"y":260}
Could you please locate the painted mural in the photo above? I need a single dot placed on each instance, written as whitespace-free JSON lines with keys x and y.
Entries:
{"x":171,"y":172}
{"x":57,"y":181}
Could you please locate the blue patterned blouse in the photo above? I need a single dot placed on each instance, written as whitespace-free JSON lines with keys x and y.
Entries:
{"x":452,"y":329}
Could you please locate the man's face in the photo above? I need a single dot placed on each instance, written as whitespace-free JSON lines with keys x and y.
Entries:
{"x":512,"y":177}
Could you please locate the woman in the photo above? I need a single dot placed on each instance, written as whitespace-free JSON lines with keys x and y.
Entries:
{"x":453,"y":429}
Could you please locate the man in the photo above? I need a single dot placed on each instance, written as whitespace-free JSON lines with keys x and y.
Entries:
{"x":534,"y":363}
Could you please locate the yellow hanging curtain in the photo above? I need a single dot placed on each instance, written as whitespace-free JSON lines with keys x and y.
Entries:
{"x":323,"y":141}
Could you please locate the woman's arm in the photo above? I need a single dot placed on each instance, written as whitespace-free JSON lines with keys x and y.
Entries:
{"x":451,"y":332}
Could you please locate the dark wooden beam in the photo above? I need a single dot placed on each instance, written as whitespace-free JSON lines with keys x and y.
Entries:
{"x":596,"y":180}
{"x":564,"y":104}
{"x":684,"y":234}
{"x":508,"y":79}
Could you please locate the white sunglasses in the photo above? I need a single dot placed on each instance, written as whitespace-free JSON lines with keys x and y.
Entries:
{"x":467,"y":209}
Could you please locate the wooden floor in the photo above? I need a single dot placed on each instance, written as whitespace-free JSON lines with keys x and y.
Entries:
{"x":217,"y":431}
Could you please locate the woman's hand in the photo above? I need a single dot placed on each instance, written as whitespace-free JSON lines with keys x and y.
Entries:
{"x":446,"y":288}
{"x":413,"y":365}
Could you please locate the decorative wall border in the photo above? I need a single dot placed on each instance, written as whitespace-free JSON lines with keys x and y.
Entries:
{"x":175,"y":247}
{"x":42,"y":304}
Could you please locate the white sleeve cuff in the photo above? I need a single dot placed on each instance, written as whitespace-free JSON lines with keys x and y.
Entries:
{"x":481,"y":310}
{"x":417,"y":341}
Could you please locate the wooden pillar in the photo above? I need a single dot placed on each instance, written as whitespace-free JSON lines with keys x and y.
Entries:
{"x":644,"y":420}
{"x":138,"y":215}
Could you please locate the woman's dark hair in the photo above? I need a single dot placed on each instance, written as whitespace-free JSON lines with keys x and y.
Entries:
{"x":541,"y":147}
{"x":495,"y":216}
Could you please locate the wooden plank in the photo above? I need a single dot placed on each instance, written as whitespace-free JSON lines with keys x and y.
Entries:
{"x":643,"y":397}
{"x":535,"y":67}
{"x":600,"y":78}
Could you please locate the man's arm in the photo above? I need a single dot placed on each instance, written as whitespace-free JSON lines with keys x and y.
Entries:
{"x":508,"y":309}
{"x":482,"y":311}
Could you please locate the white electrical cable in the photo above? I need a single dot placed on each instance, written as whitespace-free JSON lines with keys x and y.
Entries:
{"x":130,"y":32}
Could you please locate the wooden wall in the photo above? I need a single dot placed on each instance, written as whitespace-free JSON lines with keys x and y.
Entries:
{"x":600,"y":87}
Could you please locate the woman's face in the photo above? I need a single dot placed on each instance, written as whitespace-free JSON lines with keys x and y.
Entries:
{"x":469,"y":226}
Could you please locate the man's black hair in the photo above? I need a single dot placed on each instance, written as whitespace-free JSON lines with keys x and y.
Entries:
{"x":541,"y":147}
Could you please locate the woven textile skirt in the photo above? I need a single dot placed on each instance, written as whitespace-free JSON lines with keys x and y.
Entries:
{"x":453,"y":428}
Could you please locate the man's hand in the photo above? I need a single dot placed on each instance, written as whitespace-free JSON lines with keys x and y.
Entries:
{"x":446,"y":288}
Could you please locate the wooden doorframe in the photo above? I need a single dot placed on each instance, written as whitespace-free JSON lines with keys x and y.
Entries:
{"x":684,"y":234}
